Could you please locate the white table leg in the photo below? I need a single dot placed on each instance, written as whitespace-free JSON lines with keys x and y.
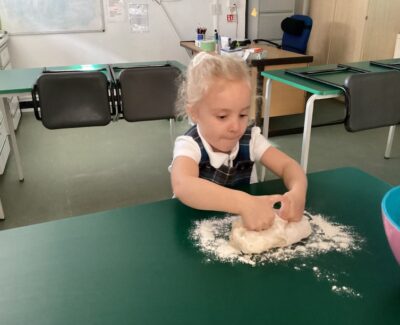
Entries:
{"x":13,"y":139}
{"x":307,"y":132}
{"x":267,"y":107}
{"x":307,"y":128}
{"x":1,"y":211}
{"x":267,"y":110}
{"x":389,"y":142}
{"x":172,"y":131}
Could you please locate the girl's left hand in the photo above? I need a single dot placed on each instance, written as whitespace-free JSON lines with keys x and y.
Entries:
{"x":292,"y":206}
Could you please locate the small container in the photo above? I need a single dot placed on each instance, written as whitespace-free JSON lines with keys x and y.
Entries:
{"x":391,"y":220}
{"x":216,"y":36}
{"x":225,"y":42}
{"x":217,"y":41}
{"x":199,"y":39}
{"x":208,"y":45}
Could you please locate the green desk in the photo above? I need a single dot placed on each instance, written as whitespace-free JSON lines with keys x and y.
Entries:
{"x":137,"y":265}
{"x":318,"y":91}
{"x":20,"y":81}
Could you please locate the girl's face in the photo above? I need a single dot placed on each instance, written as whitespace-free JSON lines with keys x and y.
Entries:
{"x":223,"y":113}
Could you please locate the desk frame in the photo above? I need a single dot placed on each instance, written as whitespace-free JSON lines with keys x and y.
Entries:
{"x":324,"y":92}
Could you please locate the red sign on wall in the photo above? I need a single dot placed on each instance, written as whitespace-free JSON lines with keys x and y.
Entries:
{"x":230,"y":18}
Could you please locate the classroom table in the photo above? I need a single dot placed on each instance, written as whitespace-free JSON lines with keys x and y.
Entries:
{"x":138,"y":265}
{"x":275,"y":57}
{"x":319,"y":91}
{"x":17,"y":81}
{"x":21,"y":81}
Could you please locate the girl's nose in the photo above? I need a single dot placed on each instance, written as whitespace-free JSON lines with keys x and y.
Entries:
{"x":234,"y":125}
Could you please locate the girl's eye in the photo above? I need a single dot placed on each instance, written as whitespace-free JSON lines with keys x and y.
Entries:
{"x":221,"y":117}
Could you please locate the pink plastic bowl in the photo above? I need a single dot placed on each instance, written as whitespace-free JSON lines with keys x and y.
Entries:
{"x":391,"y":219}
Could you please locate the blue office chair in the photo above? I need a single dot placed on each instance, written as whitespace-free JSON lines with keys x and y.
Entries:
{"x":296,"y":32}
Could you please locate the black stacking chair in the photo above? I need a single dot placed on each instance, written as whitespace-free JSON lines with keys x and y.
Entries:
{"x":373,"y":100}
{"x":69,"y":99}
{"x":148,"y":93}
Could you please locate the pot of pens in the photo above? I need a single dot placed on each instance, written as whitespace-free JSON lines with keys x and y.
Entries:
{"x":200,"y":35}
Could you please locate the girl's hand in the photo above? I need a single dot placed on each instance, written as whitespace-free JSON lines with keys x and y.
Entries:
{"x":258,"y":212}
{"x":292,"y":206}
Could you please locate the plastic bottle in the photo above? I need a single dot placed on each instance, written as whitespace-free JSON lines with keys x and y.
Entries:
{"x":216,"y":39}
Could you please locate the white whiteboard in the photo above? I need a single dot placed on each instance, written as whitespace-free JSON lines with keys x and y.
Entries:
{"x":51,"y":16}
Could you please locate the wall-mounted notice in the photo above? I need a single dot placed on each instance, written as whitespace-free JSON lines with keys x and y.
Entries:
{"x":115,"y":11}
{"x":138,"y":16}
{"x":49,"y":16}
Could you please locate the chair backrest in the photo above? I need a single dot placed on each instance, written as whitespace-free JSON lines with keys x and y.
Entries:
{"x":71,"y":99}
{"x":148,"y":93}
{"x":372,"y":100}
{"x":296,"y":32}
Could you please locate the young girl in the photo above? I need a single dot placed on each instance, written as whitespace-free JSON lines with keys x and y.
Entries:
{"x":219,"y":151}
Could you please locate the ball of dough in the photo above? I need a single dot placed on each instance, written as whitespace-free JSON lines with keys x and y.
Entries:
{"x":280,"y":234}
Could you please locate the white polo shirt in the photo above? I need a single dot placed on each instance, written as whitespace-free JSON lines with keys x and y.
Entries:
{"x":186,"y":146}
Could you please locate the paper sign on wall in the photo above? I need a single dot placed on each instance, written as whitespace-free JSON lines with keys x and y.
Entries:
{"x":138,"y":14}
{"x":115,"y":11}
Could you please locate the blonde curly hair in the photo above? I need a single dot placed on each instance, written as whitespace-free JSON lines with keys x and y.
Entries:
{"x":201,"y":71}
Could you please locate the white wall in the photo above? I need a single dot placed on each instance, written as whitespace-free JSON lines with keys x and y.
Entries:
{"x":302,"y":7}
{"x":119,"y":44}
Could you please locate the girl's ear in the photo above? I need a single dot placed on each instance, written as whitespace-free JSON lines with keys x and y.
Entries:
{"x":192,"y":113}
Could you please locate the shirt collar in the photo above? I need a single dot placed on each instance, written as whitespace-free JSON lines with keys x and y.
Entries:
{"x":217,"y":159}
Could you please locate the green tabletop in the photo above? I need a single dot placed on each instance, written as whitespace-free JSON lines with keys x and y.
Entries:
{"x":16,"y":81}
{"x":373,"y":68}
{"x":301,"y":83}
{"x":138,"y":265}
{"x":316,"y":87}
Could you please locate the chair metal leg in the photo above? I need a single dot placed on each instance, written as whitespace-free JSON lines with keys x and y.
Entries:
{"x":389,"y":142}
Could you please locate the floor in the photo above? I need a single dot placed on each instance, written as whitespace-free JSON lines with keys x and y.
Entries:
{"x":78,"y":171}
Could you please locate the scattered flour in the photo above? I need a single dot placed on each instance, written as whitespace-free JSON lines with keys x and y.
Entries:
{"x":346,"y":291}
{"x":211,"y":236}
{"x":332,"y":278}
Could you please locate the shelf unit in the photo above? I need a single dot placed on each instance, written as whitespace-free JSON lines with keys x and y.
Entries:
{"x":11,"y":103}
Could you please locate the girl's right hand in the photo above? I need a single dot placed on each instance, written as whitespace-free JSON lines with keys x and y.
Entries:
{"x":258,"y":212}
